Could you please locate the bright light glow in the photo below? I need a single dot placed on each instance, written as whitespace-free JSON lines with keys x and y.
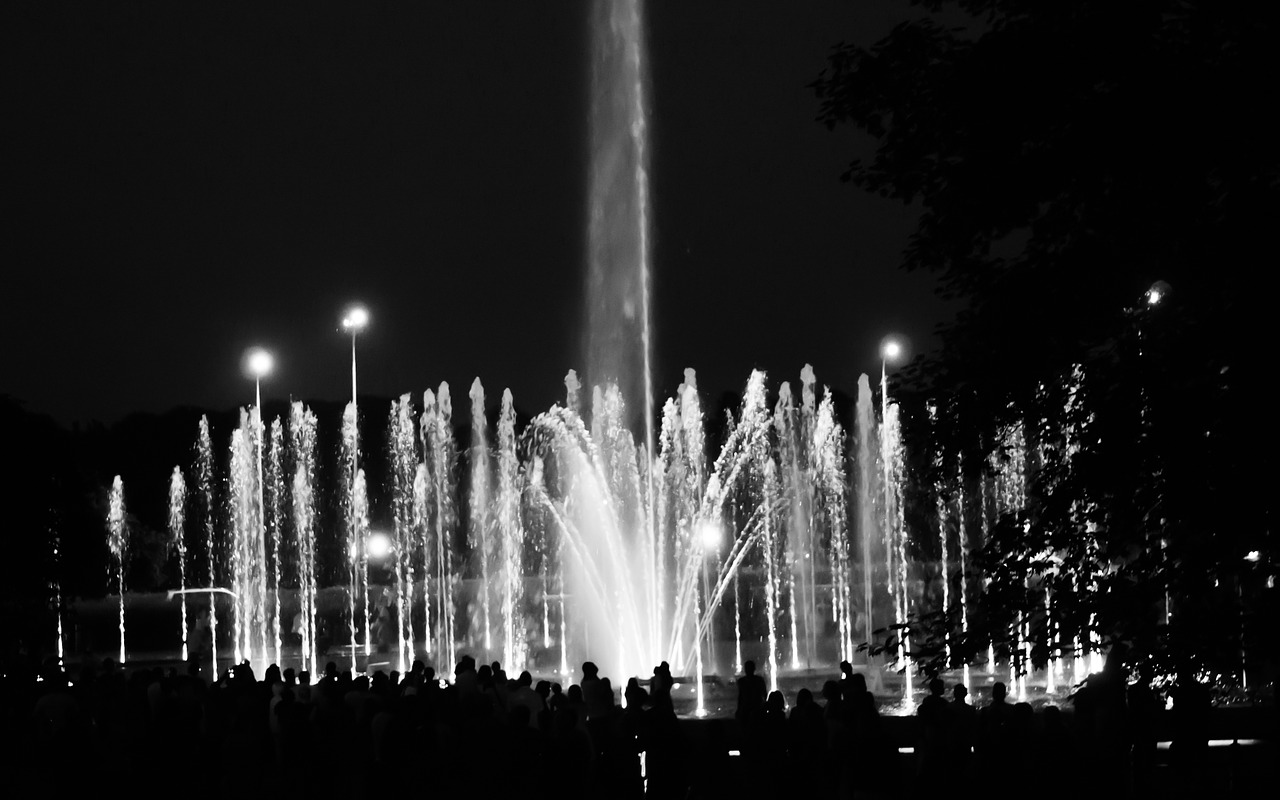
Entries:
{"x":711,"y":535}
{"x":890,"y":349}
{"x":355,"y":320}
{"x":379,"y":546}
{"x":1253,"y":556}
{"x":1158,"y":291}
{"x":259,"y":362}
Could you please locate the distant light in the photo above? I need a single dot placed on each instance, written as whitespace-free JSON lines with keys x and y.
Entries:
{"x":259,"y":362}
{"x":1253,"y":556}
{"x":355,"y":320}
{"x":735,"y":753}
{"x":379,"y":546}
{"x":711,"y":535}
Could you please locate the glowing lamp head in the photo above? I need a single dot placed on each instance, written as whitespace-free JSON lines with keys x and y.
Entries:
{"x":379,"y":546}
{"x":710,"y":534}
{"x":259,"y":363}
{"x":355,"y":320}
{"x":891,"y":350}
{"x":1158,"y":292}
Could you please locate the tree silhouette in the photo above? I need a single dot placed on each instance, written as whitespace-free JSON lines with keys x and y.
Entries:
{"x":1065,"y":158}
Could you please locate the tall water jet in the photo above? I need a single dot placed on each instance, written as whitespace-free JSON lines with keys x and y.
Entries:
{"x":275,"y":523}
{"x":302,"y":444}
{"x":829,"y":480}
{"x":478,"y":529}
{"x":868,"y":529}
{"x":1010,"y":494}
{"x":204,"y":479}
{"x":360,"y":521}
{"x":355,"y":544}
{"x":178,"y":542}
{"x":619,"y":337}
{"x":795,"y":493}
{"x":439,"y":509}
{"x":774,"y":552}
{"x":118,"y":544}
{"x":402,"y":431}
{"x":943,"y":521}
{"x":249,"y":574}
{"x":895,"y":533}
{"x":510,"y":535}
{"x":55,"y":581}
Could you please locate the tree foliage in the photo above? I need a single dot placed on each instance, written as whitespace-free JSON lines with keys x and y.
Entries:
{"x":1065,"y":157}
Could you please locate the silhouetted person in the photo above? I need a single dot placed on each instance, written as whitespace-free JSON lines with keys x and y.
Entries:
{"x":935,"y":722}
{"x":964,"y":730}
{"x":1190,"y":746}
{"x":1102,"y":719}
{"x":1144,"y":709}
{"x":751,"y":694}
{"x":1056,"y":739}
{"x":807,"y":741}
{"x":995,"y":721}
{"x":593,"y":690}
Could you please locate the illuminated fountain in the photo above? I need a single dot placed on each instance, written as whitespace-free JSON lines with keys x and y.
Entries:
{"x":609,"y":533}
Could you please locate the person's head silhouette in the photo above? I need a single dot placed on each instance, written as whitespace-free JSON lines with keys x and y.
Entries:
{"x":937,"y":687}
{"x":749,"y":667}
{"x":959,"y":692}
{"x":998,"y":692}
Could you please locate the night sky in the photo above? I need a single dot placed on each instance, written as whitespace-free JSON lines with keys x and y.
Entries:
{"x":185,"y":180}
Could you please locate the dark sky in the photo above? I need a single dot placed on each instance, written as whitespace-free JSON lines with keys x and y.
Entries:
{"x":185,"y":180}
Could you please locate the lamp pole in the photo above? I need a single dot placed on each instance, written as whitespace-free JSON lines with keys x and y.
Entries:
{"x":260,"y":365}
{"x":355,"y":320}
{"x":890,"y":350}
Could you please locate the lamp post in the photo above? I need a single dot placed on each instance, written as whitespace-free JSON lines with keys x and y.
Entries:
{"x":355,"y":320}
{"x":890,"y":351}
{"x":260,"y":364}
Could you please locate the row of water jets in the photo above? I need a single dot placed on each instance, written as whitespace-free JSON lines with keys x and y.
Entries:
{"x":575,"y":542}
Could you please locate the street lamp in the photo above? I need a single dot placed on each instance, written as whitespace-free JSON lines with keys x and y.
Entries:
{"x":259,"y":363}
{"x":355,"y":320}
{"x":890,"y":351}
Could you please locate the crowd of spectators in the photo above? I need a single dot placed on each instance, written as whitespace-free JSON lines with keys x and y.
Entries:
{"x":167,"y":731}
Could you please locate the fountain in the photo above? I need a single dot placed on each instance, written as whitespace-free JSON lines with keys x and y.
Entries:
{"x":177,"y":541}
{"x":302,"y":443}
{"x":575,"y":538}
{"x":118,"y":544}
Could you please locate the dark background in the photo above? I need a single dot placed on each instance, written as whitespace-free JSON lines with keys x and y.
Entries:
{"x":184,"y":181}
